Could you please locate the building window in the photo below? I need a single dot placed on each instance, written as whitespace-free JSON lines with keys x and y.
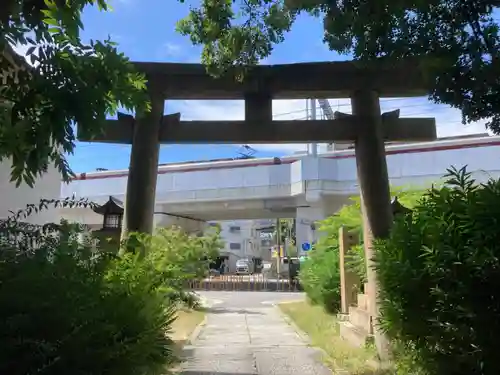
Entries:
{"x":234,"y":228}
{"x":235,"y":246}
{"x":112,"y":221}
{"x":265,"y":242}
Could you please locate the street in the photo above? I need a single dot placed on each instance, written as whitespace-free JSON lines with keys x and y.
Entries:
{"x":246,"y":334}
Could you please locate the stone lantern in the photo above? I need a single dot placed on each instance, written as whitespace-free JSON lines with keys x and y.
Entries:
{"x":112,"y":212}
{"x":109,"y":235}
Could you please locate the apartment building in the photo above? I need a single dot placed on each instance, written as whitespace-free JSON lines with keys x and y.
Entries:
{"x":242,"y":240}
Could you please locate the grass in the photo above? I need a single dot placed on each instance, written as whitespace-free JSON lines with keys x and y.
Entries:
{"x":185,"y":324}
{"x":182,"y":328}
{"x":323,"y":331}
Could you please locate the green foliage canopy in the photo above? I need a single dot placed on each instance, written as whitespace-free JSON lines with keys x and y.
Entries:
{"x":459,"y":38}
{"x":64,"y":82}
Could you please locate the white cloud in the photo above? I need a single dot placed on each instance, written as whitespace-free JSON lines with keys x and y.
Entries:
{"x":448,"y":120}
{"x":171,"y":49}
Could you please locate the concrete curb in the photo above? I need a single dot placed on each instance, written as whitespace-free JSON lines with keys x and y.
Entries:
{"x":196,"y":332}
{"x":305,"y":337}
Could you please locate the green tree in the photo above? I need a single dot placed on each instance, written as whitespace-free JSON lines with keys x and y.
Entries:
{"x":63,"y":82}
{"x":175,"y":258}
{"x":460,"y":38}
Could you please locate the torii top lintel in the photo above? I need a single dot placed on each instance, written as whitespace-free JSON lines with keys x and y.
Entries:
{"x":289,"y":81}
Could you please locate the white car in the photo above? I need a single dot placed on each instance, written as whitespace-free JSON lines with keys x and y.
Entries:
{"x":243,"y":268}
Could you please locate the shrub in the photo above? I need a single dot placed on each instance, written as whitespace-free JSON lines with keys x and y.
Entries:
{"x":320,"y":274}
{"x":176,"y":258}
{"x":439,"y":274}
{"x":63,"y":311}
{"x":320,"y":278}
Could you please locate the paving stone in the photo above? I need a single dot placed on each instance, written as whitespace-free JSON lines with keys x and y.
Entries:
{"x":255,"y":340}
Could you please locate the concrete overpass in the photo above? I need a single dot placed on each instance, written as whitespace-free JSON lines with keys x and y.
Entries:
{"x":305,"y":187}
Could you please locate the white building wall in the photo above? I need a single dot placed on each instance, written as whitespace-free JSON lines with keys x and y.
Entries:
{"x":14,"y":198}
{"x":241,"y":240}
{"x":82,"y":216}
{"x":334,"y":173}
{"x":306,"y":230}
{"x":185,"y":184}
{"x":408,"y":166}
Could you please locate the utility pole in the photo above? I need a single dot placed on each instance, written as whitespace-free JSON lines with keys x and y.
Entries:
{"x":288,"y":257}
{"x":278,"y":245}
{"x":313,"y":146}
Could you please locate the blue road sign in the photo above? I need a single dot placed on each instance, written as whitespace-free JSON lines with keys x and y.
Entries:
{"x":306,"y":246}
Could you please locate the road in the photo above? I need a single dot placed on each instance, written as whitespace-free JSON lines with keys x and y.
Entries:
{"x":245,"y":334}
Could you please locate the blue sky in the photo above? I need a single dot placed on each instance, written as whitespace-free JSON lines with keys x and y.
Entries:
{"x":145,"y":31}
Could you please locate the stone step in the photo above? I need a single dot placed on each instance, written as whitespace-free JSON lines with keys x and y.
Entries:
{"x":362,"y":301}
{"x":355,"y":336}
{"x":360,"y":318}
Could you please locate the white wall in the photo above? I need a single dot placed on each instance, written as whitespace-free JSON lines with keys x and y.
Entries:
{"x":82,"y":216}
{"x":307,"y":216}
{"x":181,"y":186}
{"x":335,"y":173}
{"x":420,"y":169}
{"x":13,"y":198}
{"x":246,"y":237}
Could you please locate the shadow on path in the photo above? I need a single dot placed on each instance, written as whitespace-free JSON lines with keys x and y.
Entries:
{"x":222,"y":310}
{"x":215,"y":373}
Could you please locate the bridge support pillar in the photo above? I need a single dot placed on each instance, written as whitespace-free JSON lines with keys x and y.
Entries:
{"x":306,"y":229}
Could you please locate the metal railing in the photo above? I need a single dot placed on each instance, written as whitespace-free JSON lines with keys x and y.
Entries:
{"x":246,"y":283}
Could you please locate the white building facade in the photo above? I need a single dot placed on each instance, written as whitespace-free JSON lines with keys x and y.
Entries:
{"x":241,"y":241}
{"x":14,"y":198}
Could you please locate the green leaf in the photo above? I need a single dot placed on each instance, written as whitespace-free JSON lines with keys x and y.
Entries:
{"x":51,"y":21}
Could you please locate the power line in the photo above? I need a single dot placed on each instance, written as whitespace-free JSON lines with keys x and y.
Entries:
{"x":342,"y":105}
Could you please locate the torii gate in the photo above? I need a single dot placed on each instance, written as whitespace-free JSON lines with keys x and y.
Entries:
{"x":364,"y":84}
{"x":366,"y":127}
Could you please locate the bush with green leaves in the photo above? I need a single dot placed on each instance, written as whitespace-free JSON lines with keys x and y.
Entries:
{"x":320,"y":273}
{"x":320,"y":277}
{"x":175,"y":258}
{"x":439,"y":274}
{"x":64,"y":310}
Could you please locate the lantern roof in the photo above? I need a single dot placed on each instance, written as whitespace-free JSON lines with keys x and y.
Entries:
{"x":113,"y":206}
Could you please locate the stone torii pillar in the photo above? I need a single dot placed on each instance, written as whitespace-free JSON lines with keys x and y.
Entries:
{"x":145,"y":134}
{"x":374,"y":184}
{"x":143,"y":169}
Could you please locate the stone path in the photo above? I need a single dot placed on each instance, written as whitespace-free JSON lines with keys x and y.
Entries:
{"x":251,"y":341}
